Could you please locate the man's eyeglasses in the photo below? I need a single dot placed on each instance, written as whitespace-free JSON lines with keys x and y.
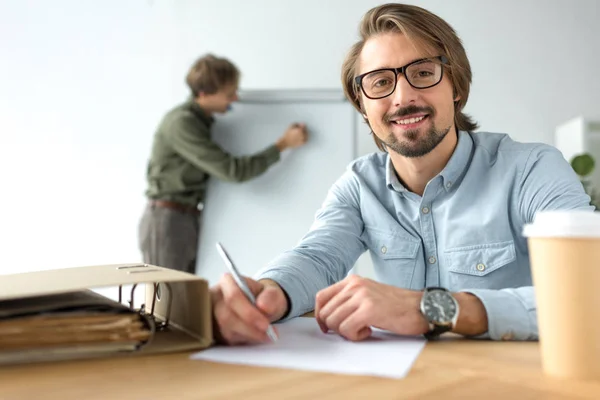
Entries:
{"x":420,"y":74}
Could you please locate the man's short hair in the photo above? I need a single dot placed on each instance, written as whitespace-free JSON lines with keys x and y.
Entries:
{"x":209,"y":74}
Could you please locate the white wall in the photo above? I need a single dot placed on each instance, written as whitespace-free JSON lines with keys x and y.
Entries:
{"x":259,"y":219}
{"x":82,"y":88}
{"x":535,"y":62}
{"x":83,"y":84}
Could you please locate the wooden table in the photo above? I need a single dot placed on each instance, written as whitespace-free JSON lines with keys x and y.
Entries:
{"x":450,"y":368}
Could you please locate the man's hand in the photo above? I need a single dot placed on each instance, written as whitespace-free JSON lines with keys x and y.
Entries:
{"x":236,"y":320}
{"x":295,"y":136}
{"x":352,"y":306}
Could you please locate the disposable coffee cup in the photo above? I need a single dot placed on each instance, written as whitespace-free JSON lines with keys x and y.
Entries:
{"x":564,"y":251}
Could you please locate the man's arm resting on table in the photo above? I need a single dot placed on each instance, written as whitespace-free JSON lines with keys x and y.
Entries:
{"x":507,"y":314}
{"x":472,"y":319}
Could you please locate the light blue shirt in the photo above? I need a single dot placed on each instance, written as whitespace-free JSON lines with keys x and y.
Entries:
{"x":464,"y":233}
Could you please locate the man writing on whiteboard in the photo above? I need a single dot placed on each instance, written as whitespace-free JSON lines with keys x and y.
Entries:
{"x":441,"y":208}
{"x":184,"y":157}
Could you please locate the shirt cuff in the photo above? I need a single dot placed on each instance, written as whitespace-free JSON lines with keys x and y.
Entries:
{"x":298,"y":300}
{"x":508,"y":315}
{"x":272,"y":154}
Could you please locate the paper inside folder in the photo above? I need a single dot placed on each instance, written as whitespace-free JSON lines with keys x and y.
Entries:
{"x":82,"y":322}
{"x":52,"y":315}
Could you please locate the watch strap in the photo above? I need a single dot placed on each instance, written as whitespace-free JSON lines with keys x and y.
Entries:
{"x":436,"y":331}
{"x":430,"y":288}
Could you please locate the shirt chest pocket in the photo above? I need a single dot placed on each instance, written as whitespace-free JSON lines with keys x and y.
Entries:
{"x":394,"y":256}
{"x":487,"y":266}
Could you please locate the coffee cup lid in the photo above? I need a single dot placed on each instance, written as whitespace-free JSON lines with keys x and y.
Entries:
{"x":564,"y":223}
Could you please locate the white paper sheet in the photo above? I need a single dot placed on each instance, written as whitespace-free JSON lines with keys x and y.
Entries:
{"x":303,"y":346}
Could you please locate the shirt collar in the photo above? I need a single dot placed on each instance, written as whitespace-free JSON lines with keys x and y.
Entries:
{"x":200,"y":113}
{"x":459,"y":161}
{"x":451,"y":173}
{"x":391,"y":179}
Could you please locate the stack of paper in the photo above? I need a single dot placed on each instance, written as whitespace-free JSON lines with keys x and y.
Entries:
{"x":48,"y":327}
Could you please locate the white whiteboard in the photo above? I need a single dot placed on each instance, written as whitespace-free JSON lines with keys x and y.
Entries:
{"x":258,"y":219}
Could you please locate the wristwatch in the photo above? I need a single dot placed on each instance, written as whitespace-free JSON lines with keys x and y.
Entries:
{"x":440,"y":309}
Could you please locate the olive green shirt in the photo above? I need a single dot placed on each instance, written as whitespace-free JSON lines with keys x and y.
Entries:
{"x":184,"y":156}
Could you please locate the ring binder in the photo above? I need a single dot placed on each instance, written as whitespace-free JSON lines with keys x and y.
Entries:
{"x":176,"y":310}
{"x":163,"y":324}
{"x":160,"y":325}
{"x":131,"y":297}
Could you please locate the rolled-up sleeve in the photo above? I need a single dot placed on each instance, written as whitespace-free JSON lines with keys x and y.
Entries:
{"x":511,"y":313}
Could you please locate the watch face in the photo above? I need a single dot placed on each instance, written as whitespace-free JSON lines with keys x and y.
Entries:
{"x":438,"y":306}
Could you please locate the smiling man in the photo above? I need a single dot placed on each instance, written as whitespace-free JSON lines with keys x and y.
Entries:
{"x":441,"y":208}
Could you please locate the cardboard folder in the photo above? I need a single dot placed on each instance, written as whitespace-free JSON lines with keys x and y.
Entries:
{"x":176,"y":314}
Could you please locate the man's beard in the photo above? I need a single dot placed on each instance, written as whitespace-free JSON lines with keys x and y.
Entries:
{"x":413,"y":146}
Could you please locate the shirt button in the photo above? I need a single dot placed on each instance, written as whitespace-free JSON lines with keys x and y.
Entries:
{"x":383,"y":249}
{"x":425,"y":210}
{"x":448,"y":185}
{"x":480,"y":267}
{"x":431,"y":260}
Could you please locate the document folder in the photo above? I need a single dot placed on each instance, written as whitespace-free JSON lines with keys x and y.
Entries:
{"x":54,"y":315}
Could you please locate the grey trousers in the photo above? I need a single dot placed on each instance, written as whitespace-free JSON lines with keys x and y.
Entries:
{"x":169,"y":238}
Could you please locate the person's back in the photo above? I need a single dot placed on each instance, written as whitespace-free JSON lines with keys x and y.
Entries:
{"x":183,"y":158}
{"x":170,"y":176}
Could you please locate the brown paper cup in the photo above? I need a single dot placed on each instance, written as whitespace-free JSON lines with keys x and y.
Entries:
{"x":564,"y":250}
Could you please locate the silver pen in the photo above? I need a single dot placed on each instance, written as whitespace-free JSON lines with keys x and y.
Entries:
{"x":242,"y":284}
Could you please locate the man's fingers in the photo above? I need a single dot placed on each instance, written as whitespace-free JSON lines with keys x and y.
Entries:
{"x":336,"y":301}
{"x":237,"y":301}
{"x":332,"y":297}
{"x":363,"y":333}
{"x":255,"y":287}
{"x":322,"y":326}
{"x":340,"y":313}
{"x":269,"y":301}
{"x":324,"y":297}
{"x":234,"y":329}
{"x":354,"y":327}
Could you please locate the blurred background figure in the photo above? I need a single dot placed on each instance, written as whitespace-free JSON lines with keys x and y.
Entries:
{"x":184,"y":157}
